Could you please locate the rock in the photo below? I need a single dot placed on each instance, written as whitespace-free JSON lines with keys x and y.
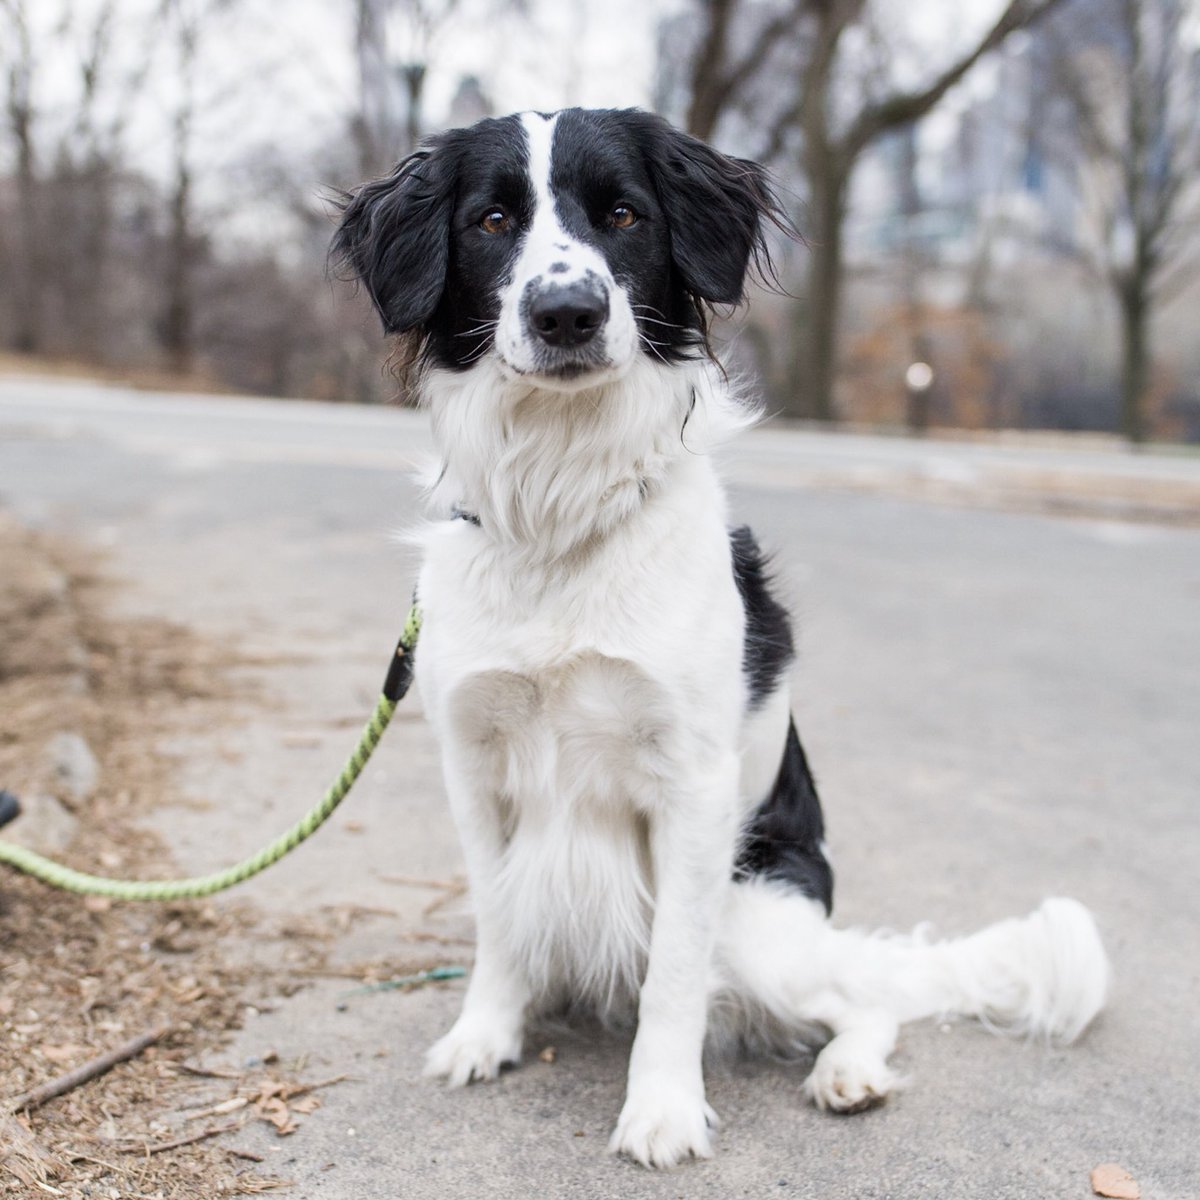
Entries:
{"x":44,"y":825}
{"x":76,"y":771}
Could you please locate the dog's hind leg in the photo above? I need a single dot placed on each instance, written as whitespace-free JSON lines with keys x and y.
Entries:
{"x":1045,"y":974}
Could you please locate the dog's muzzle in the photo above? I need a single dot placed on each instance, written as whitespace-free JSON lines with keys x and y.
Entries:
{"x":567,"y":316}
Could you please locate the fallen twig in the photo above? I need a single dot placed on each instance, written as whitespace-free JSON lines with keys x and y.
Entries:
{"x":445,"y":898}
{"x":209,"y":1072}
{"x":219,"y":1110}
{"x":447,"y":885}
{"x":248,"y":1155}
{"x":291,"y":1090}
{"x":159,"y":1147}
{"x":89,"y":1070}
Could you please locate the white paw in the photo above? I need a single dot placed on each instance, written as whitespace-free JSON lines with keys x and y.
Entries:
{"x":662,"y":1124}
{"x":475,"y":1049}
{"x":847,"y":1079}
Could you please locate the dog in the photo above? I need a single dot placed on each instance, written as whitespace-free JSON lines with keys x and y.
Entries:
{"x":603,"y":659}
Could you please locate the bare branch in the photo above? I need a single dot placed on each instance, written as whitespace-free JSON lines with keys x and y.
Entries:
{"x":903,"y":108}
{"x":714,"y":81}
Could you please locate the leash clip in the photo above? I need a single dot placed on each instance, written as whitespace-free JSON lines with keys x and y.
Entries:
{"x":400,"y":672}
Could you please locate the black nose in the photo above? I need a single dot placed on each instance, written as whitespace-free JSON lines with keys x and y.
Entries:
{"x":567,"y":316}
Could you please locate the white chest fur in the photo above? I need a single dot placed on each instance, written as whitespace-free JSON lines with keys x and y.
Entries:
{"x":573,"y":759}
{"x":571,"y":698}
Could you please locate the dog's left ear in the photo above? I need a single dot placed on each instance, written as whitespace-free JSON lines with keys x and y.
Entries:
{"x":716,"y":208}
{"x":394,"y":236}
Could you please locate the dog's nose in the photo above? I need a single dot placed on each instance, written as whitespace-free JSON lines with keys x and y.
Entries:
{"x":568,"y":316}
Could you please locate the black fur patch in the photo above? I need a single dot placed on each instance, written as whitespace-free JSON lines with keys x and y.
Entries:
{"x":414,"y":237}
{"x":783,"y":838}
{"x":767,"y":650}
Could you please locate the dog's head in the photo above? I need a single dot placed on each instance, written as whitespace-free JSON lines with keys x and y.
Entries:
{"x":562,"y":245}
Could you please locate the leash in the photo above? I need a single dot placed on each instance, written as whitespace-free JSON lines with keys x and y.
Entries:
{"x":399,"y":678}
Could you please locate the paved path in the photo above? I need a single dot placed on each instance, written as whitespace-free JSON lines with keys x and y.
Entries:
{"x":999,"y":706}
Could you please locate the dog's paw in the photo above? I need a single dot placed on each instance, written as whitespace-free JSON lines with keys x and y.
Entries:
{"x":663,"y":1124}
{"x":846,"y":1079}
{"x":475,"y":1049}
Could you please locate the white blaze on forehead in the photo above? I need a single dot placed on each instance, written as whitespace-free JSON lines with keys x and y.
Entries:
{"x":539,"y":139}
{"x":548,"y":245}
{"x":547,"y":242}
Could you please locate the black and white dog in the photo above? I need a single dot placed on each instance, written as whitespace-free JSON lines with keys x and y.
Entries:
{"x":602,"y":658}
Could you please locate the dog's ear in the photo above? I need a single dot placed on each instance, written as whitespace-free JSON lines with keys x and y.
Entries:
{"x":716,"y":208}
{"x":394,"y":236}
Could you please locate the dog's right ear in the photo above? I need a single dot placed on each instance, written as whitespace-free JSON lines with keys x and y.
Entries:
{"x":394,"y":235}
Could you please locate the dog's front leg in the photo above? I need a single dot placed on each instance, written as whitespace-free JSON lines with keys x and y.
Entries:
{"x":666,"y":1117}
{"x":490,"y":1028}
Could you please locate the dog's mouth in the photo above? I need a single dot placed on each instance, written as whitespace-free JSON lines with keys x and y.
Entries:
{"x":564,"y":372}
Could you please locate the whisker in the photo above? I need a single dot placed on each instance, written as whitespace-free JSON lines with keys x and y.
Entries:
{"x":476,"y":355}
{"x":486,"y":327}
{"x":641,"y":311}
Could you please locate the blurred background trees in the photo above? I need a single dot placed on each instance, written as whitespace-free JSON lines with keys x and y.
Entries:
{"x":1003,"y":192}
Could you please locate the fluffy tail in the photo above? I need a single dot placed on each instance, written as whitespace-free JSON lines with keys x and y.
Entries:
{"x":1044,"y":975}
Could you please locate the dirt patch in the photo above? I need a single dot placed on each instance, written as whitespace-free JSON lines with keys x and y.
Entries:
{"x":84,"y":700}
{"x":146,"y":378}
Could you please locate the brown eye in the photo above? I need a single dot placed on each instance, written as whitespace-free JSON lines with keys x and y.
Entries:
{"x":495,"y":220}
{"x":622,"y":216}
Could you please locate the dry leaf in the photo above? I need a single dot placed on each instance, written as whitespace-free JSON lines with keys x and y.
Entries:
{"x":306,"y":1104}
{"x":1112,"y":1180}
{"x":276,"y":1112}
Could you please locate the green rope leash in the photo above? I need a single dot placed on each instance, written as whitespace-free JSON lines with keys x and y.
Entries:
{"x":57,"y":875}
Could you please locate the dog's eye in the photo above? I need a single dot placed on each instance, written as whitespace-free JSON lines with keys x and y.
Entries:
{"x":622,"y":216}
{"x":495,"y":220}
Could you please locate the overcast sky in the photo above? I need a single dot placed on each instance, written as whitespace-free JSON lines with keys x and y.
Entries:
{"x":287,"y":69}
{"x":282,"y":76}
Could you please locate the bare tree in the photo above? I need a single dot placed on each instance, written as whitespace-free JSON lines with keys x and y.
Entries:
{"x":1134,"y":91}
{"x":820,"y":132}
{"x":19,"y":109}
{"x":186,"y":22}
{"x":89,"y":163}
{"x":394,"y":45}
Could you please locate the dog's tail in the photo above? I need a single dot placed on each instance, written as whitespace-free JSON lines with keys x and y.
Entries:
{"x":1044,"y":975}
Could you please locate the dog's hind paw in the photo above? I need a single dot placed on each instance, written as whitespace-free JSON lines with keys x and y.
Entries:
{"x":662,"y":1125}
{"x":844,"y":1079}
{"x":475,"y":1049}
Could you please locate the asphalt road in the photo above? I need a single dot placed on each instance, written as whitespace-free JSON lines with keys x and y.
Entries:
{"x":999,"y":706}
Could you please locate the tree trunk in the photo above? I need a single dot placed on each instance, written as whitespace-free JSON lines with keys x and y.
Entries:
{"x":707,"y":98}
{"x":811,"y":395}
{"x":29,"y":249}
{"x":178,"y":319}
{"x":1135,"y":361}
{"x":27,"y":337}
{"x":178,"y":325}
